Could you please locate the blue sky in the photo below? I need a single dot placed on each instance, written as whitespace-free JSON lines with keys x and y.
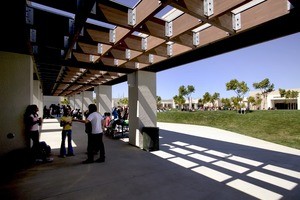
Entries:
{"x":278,"y":60}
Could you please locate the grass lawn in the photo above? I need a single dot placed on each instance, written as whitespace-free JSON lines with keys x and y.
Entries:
{"x":277,"y":126}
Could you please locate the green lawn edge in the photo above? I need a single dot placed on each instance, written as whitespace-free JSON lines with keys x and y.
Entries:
{"x":277,"y":126}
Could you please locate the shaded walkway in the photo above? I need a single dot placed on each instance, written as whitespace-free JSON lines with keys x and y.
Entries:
{"x":193,"y":162}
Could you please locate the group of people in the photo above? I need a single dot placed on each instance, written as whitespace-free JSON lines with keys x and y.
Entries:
{"x":120,"y":116}
{"x":95,"y":137}
{"x":52,"y":111}
{"x":58,"y":110}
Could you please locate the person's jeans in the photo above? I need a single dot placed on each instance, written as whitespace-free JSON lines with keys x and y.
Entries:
{"x":35,"y":149}
{"x":64,"y":134}
{"x":95,"y":143}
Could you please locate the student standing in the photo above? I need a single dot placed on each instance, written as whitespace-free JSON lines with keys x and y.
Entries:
{"x":32,"y":125}
{"x":66,"y":123}
{"x":95,"y":138}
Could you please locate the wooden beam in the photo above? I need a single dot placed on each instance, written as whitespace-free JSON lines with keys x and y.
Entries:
{"x":179,"y":49}
{"x":88,"y":49}
{"x":263,"y":14}
{"x":147,"y":9}
{"x":196,"y":9}
{"x":114,"y":15}
{"x":154,"y":27}
{"x":85,"y":65}
{"x":120,"y":54}
{"x":99,"y":36}
{"x":184,"y":23}
{"x":111,"y":62}
{"x":134,"y":42}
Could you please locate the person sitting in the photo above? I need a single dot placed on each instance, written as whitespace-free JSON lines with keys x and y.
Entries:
{"x":107,"y":120}
{"x":118,"y":120}
{"x":114,"y":113}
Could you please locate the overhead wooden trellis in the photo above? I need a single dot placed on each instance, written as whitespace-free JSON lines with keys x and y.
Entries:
{"x":85,"y":43}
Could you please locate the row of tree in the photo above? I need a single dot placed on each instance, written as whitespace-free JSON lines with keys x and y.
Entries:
{"x":239,"y":87}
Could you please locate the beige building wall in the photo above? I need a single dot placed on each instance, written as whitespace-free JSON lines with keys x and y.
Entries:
{"x":274,"y":97}
{"x":16,"y":93}
{"x":168,"y":103}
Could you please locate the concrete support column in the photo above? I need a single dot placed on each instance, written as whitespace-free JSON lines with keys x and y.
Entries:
{"x":142,"y":104}
{"x":72,"y":101}
{"x":78,"y":101}
{"x":104,"y":98}
{"x":87,"y":99}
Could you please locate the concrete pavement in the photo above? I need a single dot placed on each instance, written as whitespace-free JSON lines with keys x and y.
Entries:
{"x":194,"y":162}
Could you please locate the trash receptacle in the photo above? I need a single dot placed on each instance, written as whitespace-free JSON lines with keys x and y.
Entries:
{"x":150,"y":138}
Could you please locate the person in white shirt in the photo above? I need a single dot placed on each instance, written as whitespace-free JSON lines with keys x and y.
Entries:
{"x":95,"y":138}
{"x":32,"y":125}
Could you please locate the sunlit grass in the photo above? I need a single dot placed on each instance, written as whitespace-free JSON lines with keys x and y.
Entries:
{"x":278,"y":126}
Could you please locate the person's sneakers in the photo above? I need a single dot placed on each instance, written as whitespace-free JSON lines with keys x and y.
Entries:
{"x":87,"y":161}
{"x":100,"y":160}
{"x":38,"y":160}
{"x":48,"y":160}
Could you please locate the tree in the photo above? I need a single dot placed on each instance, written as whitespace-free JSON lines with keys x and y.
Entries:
{"x":226,"y":102}
{"x":282,"y":92}
{"x":236,"y":102}
{"x":158,"y":102}
{"x":214,"y":97}
{"x":255,"y":101}
{"x":179,"y":100}
{"x":265,"y":87}
{"x":123,"y":101}
{"x":206,"y":97}
{"x":251,"y":100}
{"x":291,"y":94}
{"x":258,"y":100}
{"x":200,"y":102}
{"x":187,"y":92}
{"x":240,"y":88}
{"x":294,"y":95}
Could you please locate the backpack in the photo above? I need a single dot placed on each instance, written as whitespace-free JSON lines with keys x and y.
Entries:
{"x":45,"y":150}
